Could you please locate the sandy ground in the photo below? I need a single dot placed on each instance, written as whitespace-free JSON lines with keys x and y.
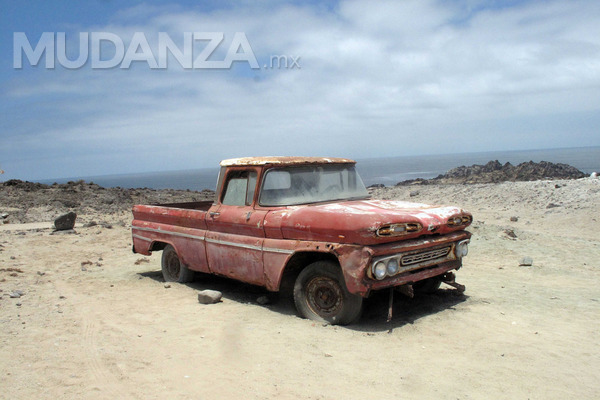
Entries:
{"x":97,"y":322}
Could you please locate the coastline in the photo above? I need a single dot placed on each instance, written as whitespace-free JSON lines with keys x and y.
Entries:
{"x":384,"y":170}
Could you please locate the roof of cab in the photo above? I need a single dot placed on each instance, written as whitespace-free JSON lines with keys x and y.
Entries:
{"x":284,"y":161}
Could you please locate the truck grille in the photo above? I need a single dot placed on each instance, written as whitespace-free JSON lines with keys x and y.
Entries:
{"x":425,"y":256}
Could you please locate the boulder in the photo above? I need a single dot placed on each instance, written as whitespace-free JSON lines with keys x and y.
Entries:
{"x":65,"y":222}
{"x":209,"y":296}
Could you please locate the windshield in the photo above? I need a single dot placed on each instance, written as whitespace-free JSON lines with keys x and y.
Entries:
{"x":311,"y":184}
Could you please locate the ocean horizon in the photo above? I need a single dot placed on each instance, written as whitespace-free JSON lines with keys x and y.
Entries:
{"x":385,"y":170}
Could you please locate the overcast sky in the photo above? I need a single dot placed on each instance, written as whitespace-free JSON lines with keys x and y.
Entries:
{"x":378,"y":78}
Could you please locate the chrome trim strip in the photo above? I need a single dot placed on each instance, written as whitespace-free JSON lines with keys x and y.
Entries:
{"x":249,"y":246}
{"x":185,"y":235}
{"x":273,"y":250}
{"x":215,"y":241}
{"x":226,"y":243}
{"x":141,"y":237}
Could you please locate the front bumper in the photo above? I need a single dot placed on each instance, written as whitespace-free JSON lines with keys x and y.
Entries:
{"x":419,"y":259}
{"x":414,"y":275}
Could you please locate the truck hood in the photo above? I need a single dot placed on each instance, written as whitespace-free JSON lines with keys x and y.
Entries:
{"x":358,"y":221}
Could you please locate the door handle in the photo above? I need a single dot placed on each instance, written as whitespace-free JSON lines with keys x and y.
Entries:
{"x":213,"y":214}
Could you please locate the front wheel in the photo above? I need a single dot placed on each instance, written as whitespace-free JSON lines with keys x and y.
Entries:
{"x":172,"y":269}
{"x":320,"y":294}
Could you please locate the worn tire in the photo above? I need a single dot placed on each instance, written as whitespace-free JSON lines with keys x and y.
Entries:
{"x":320,"y":294}
{"x":427,"y":286}
{"x":172,"y":269}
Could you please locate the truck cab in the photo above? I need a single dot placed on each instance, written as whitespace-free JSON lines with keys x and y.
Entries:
{"x":306,"y":224}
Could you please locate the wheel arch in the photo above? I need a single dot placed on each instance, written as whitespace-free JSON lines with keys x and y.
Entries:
{"x":297,"y":262}
{"x":158,"y":245}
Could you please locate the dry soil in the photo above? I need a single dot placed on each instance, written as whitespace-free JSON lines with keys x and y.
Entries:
{"x":96,"y":321}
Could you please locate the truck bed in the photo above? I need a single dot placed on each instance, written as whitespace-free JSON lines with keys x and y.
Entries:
{"x":188,"y":215}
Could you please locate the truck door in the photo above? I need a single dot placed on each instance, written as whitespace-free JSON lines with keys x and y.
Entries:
{"x":235,"y":233}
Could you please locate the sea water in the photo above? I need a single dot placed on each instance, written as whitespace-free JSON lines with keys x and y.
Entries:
{"x":387,"y":170}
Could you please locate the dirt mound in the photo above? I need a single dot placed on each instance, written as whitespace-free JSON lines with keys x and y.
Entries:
{"x":36,"y":202}
{"x":494,"y":172}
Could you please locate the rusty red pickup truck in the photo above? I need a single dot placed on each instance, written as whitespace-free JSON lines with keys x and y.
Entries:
{"x":306,"y":224}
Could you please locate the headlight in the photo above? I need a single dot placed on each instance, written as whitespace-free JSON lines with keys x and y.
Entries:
{"x":399,"y":229}
{"x":392,"y":267}
{"x":462,"y":249}
{"x":379,"y":270}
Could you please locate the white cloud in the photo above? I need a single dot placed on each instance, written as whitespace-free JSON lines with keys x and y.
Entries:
{"x":376,"y":78}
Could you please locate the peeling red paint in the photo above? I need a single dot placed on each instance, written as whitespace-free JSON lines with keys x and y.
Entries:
{"x":256,"y":244}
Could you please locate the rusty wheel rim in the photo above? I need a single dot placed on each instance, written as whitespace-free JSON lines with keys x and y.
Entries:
{"x":324,"y":296}
{"x":173,"y":266}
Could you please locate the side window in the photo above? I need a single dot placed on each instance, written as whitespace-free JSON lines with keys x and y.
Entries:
{"x":239,"y":188}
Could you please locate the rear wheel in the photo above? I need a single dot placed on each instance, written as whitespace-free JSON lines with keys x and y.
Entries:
{"x":320,"y":294}
{"x":172,"y":269}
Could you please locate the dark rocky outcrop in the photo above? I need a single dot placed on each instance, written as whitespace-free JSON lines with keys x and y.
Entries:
{"x":494,"y":172}
{"x":82,"y":197}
